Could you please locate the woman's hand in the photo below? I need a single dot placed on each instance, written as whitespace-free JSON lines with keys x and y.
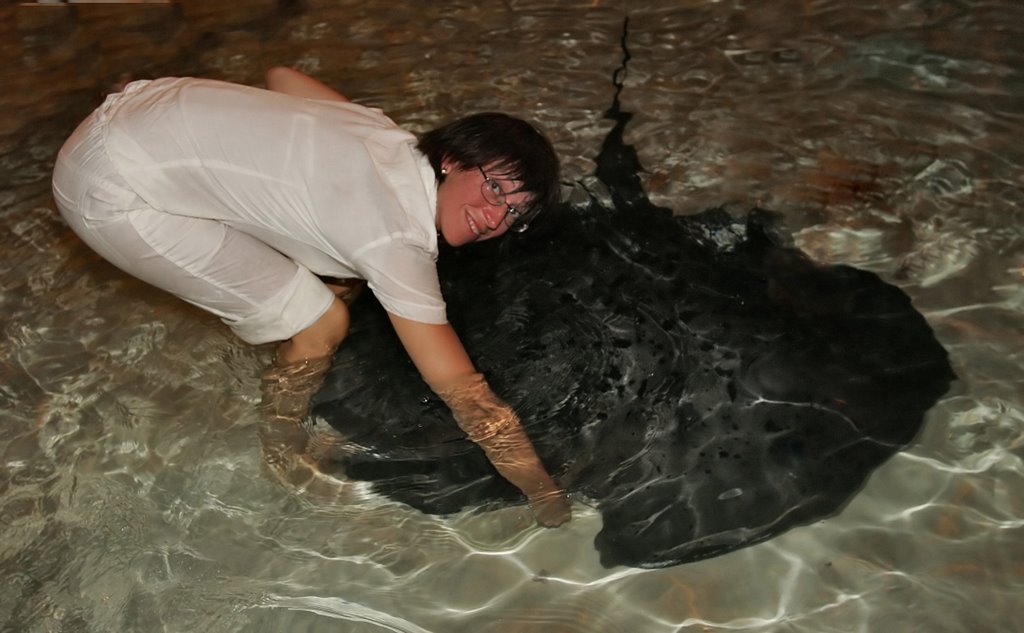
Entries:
{"x":348,"y":290}
{"x":442,"y":361}
{"x":551,"y":508}
{"x":495,"y":428}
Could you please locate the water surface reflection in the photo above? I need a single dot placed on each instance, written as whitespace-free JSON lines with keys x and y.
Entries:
{"x":133,"y":494}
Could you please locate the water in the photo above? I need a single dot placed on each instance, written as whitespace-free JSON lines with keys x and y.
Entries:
{"x":134,"y":495}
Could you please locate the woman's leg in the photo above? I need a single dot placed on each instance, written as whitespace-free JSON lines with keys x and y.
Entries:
{"x":262,"y":295}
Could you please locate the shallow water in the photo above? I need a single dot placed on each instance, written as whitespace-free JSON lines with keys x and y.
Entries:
{"x":134,"y":495}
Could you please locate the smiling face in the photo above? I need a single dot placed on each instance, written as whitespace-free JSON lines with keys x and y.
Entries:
{"x":463,"y":214}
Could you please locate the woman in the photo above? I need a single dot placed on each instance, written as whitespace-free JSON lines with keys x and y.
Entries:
{"x":236,"y":199}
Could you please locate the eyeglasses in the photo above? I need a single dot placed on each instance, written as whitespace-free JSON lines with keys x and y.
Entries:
{"x":515,"y":219}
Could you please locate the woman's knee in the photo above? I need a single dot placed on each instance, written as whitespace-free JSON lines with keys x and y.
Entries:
{"x":319,"y":339}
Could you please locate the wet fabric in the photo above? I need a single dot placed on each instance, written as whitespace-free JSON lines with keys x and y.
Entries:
{"x":698,"y":380}
{"x":204,"y":184}
{"x":261,"y":294}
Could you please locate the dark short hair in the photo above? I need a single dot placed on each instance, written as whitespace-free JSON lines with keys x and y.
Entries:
{"x":516,"y":149}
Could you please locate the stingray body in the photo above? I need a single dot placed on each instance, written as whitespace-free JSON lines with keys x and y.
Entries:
{"x":703,"y":384}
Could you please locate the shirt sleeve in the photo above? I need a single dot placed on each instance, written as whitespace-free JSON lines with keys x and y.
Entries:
{"x":404,"y":279}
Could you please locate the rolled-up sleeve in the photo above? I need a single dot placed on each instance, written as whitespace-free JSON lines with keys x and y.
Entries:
{"x":404,"y":279}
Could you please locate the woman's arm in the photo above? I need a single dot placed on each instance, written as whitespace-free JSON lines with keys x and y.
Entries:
{"x":292,"y":82}
{"x":441,"y":359}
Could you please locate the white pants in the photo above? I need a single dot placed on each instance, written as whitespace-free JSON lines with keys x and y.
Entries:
{"x":261,"y":294}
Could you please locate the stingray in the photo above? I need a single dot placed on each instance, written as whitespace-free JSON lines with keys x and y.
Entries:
{"x":698,"y":380}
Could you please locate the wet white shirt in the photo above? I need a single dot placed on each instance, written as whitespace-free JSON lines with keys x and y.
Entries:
{"x":337,"y":187}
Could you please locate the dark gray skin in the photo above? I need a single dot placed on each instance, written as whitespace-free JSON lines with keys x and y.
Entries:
{"x":701,"y":383}
{"x":730,"y":392}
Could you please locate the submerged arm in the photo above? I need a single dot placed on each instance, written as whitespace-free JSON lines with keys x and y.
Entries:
{"x":487,"y":420}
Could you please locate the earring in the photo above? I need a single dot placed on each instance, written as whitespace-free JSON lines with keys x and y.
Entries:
{"x":444,"y":171}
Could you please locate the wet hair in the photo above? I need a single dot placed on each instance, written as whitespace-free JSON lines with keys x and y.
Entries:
{"x":512,"y":147}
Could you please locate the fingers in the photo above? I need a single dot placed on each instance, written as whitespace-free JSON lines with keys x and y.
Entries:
{"x":551,"y":509}
{"x":348,"y":290}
